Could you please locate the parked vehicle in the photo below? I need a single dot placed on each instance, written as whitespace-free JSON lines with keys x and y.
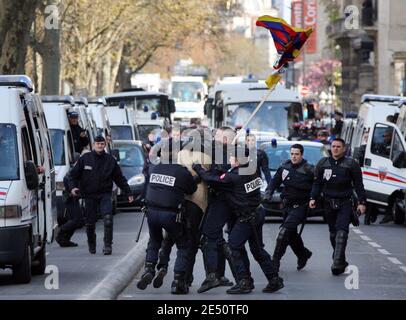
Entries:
{"x":278,"y":153}
{"x":27,"y":180}
{"x":132,"y":163}
{"x":56,"y":110}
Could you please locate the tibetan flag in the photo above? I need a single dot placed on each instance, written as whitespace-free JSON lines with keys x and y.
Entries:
{"x":274,"y":78}
{"x":288,"y":40}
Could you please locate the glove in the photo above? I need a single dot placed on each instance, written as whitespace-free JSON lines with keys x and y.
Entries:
{"x":197,"y":167}
{"x":267,"y":198}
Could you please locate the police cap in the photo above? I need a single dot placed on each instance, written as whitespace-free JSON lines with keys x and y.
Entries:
{"x":99,"y":138}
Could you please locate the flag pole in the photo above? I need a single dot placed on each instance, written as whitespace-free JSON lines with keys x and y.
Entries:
{"x":271,"y":89}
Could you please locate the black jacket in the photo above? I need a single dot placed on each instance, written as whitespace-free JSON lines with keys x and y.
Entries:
{"x":79,"y":142}
{"x":242,"y":192}
{"x":337,"y":179}
{"x":167,"y":186}
{"x":94,"y":174}
{"x":263,"y":165}
{"x":297,"y":179}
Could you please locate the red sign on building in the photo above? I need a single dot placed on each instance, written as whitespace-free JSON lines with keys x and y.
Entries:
{"x":304,"y":15}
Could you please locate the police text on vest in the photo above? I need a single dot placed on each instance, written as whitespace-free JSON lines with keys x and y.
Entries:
{"x":162,"y":179}
{"x":253,"y":185}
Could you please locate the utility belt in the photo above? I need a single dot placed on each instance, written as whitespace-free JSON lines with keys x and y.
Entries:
{"x":337,"y":203}
{"x":245,"y":215}
{"x":180,"y":211}
{"x":289,"y":204}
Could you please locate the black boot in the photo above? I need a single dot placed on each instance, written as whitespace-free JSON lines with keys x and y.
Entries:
{"x":159,"y":278}
{"x":243,"y":286}
{"x":333,"y":241}
{"x":108,"y":234}
{"x":282,"y":243}
{"x":179,"y":285}
{"x":275,"y":283}
{"x":339,"y":263}
{"x":210,"y":282}
{"x":63,"y":239}
{"x":147,"y":276}
{"x":91,"y":237}
{"x":302,"y":253}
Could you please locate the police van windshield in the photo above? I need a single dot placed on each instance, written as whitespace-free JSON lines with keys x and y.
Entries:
{"x":281,"y":154}
{"x":121,"y":133}
{"x":9,"y":169}
{"x":187,"y":91}
{"x":58,"y":146}
{"x":130,"y":156}
{"x":140,"y":103}
{"x":275,"y":117}
{"x":145,"y":130}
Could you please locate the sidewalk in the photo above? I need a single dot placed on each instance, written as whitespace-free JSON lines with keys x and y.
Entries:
{"x":82,"y":275}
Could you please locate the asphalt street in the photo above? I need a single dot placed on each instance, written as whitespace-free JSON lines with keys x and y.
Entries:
{"x":79,"y":271}
{"x":376,"y":253}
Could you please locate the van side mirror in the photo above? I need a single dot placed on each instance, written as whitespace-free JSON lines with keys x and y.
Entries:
{"x":116,"y":154}
{"x":172,"y":107}
{"x":400,"y":161}
{"x":31,"y":175}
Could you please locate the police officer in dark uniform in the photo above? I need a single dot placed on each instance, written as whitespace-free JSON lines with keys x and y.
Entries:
{"x":73,"y":214}
{"x":80,"y":139}
{"x":219,"y":213}
{"x":242,"y":191}
{"x":262,"y":157}
{"x":93,"y":177}
{"x":168,"y":184}
{"x":297,"y":176}
{"x":336,"y":177}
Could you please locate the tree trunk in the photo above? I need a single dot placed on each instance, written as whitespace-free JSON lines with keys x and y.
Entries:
{"x":123,"y":76}
{"x":50,"y":51}
{"x":16,"y":19}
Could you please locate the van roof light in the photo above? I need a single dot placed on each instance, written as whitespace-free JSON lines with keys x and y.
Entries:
{"x":17,"y":81}
{"x":373,"y":97}
{"x":60,"y":99}
{"x":402,"y":101}
{"x":97,"y":100}
{"x":82,"y":101}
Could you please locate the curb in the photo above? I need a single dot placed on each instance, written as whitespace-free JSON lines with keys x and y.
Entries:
{"x":121,"y":274}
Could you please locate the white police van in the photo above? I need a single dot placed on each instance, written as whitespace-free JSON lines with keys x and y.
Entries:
{"x":382,"y":157}
{"x":27,"y":180}
{"x":56,"y":112}
{"x":122,"y":124}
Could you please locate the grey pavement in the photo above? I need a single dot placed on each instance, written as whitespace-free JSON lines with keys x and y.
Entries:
{"x":377,"y":251}
{"x":82,"y":275}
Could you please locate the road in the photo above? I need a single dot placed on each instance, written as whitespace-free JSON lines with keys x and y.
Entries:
{"x":79,"y":272}
{"x":376,"y":252}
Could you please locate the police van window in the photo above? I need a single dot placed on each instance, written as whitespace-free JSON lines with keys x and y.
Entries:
{"x":121,"y":133}
{"x":27,"y":153}
{"x":397,"y":148}
{"x":9,"y":164}
{"x":382,"y":140}
{"x":58,"y":146}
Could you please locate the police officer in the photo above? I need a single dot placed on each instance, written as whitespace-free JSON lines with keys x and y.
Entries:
{"x":168,"y":184}
{"x":219,"y":213}
{"x":74,"y":217}
{"x":242,"y":190}
{"x":336,"y":177}
{"x":297,"y":176}
{"x":93,"y":177}
{"x":262,"y":157}
{"x":80,"y":139}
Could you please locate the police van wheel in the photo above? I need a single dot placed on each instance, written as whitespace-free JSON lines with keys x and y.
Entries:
{"x":22,"y":271}
{"x":398,"y":214}
{"x":40,"y":263}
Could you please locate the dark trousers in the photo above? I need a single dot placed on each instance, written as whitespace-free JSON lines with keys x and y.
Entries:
{"x":159,"y":220}
{"x":74,"y":217}
{"x":339,"y":219}
{"x":193,"y":218}
{"x":250,"y":231}
{"x":219,"y":213}
{"x":92,"y":204}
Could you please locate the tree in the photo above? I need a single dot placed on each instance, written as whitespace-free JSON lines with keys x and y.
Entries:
{"x":323,"y":75}
{"x":16,"y":18}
